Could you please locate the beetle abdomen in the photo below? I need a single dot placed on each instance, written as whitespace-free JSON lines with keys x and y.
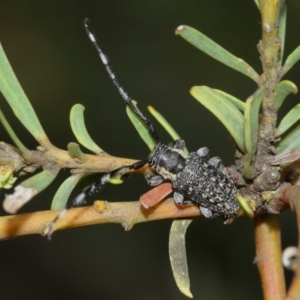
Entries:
{"x":202,"y":183}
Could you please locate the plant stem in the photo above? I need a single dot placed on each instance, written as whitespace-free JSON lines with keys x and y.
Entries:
{"x":269,"y":47}
{"x":125,"y":213}
{"x":268,"y":256}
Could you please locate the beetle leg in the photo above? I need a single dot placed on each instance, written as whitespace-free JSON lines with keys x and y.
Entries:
{"x":218,"y":164}
{"x":203,"y":152}
{"x":178,"y":198}
{"x":207,"y":213}
{"x":215,"y":161}
{"x":153,"y":180}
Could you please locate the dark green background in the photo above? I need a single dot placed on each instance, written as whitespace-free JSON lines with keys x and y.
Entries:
{"x":58,"y":67}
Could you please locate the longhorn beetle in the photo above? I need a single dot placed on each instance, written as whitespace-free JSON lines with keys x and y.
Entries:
{"x":195,"y":178}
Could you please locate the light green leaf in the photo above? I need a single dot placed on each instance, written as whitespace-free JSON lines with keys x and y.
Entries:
{"x":165,"y":124}
{"x":214,"y":50}
{"x":291,"y":60}
{"x":63,"y":193}
{"x":75,"y":151}
{"x":224,"y":110}
{"x":289,"y":120}
{"x":41,"y":180}
{"x":25,"y":152}
{"x":177,"y":254}
{"x":257,"y":4}
{"x":282,"y":28}
{"x":141,"y":128}
{"x":290,"y":142}
{"x":283,"y":89}
{"x":18,"y":101}
{"x":251,"y":119}
{"x":235,"y":101}
{"x":79,"y":130}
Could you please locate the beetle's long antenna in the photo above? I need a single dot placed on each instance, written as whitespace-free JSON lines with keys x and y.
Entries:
{"x":99,"y":183}
{"x":79,"y":200}
{"x":96,"y":186}
{"x":121,"y":91}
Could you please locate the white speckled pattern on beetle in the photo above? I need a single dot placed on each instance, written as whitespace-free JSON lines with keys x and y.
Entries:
{"x":204,"y":184}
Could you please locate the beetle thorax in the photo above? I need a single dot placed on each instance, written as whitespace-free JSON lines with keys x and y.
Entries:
{"x":167,"y":161}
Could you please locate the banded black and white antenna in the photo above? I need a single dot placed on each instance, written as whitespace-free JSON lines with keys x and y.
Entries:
{"x":115,"y":81}
{"x":80,"y":199}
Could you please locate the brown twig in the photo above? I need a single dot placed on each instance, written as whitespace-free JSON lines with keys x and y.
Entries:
{"x":268,"y":47}
{"x":125,"y":213}
{"x":268,"y":256}
{"x":52,"y":158}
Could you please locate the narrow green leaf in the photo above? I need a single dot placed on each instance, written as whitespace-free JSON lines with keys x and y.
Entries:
{"x":214,"y":50}
{"x":289,"y":120}
{"x":282,"y":28}
{"x":291,"y":60}
{"x":290,"y":142}
{"x":177,"y":254}
{"x":251,"y":121}
{"x":165,"y":124}
{"x":75,"y":151}
{"x":41,"y":180}
{"x":63,"y":193}
{"x":257,"y":4}
{"x":13,"y":136}
{"x":283,"y":89}
{"x":80,"y":131}
{"x":245,"y":206}
{"x":224,"y":110}
{"x":26,"y":190}
{"x":235,"y":101}
{"x":18,"y":101}
{"x":141,"y":128}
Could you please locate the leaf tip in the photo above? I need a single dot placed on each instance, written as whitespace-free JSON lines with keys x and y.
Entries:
{"x":188,"y":294}
{"x":295,"y":89}
{"x":192,"y":89}
{"x":78,"y":106}
{"x":179,"y":29}
{"x":150,"y":108}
